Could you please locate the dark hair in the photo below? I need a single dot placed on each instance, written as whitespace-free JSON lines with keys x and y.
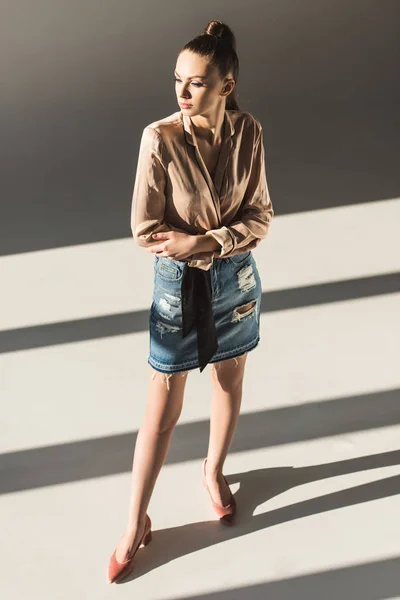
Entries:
{"x":218,"y":45}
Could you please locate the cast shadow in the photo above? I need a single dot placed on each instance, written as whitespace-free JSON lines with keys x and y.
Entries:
{"x":256,"y":488}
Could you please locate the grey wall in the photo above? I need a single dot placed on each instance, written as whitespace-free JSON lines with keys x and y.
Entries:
{"x":80,"y":80}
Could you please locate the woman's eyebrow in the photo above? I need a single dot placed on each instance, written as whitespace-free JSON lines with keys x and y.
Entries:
{"x":197,"y":76}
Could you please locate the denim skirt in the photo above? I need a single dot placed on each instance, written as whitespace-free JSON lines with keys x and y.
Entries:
{"x":235,"y":283}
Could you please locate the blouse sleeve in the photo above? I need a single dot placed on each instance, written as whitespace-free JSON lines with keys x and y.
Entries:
{"x":148,"y":199}
{"x":256,"y":211}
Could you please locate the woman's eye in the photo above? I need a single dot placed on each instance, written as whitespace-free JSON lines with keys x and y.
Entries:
{"x":195,"y":83}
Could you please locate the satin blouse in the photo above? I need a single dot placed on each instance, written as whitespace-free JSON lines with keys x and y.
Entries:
{"x":173,"y":190}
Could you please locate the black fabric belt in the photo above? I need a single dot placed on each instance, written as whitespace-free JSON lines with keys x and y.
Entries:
{"x":196,"y":296}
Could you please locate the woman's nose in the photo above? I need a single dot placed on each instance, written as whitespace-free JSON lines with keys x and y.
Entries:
{"x":185,"y":94}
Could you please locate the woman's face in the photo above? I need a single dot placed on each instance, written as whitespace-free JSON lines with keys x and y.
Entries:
{"x":199,"y":84}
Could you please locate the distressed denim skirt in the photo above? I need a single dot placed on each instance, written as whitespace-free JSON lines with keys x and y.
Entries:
{"x":235,"y":283}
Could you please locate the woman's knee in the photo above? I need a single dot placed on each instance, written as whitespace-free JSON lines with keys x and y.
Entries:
{"x":165,"y":400}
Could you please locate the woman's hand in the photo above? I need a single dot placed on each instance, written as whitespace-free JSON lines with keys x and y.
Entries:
{"x":173,"y":244}
{"x":180,"y":246}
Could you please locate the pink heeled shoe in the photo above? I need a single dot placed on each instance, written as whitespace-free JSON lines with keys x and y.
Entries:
{"x":226,"y":514}
{"x":118,"y":571}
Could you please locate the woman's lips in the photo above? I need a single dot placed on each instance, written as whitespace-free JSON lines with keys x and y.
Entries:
{"x":183,"y":105}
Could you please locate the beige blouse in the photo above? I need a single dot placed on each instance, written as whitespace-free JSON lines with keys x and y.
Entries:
{"x":173,"y":190}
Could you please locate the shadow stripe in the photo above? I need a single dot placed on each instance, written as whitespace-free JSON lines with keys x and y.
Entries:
{"x":78,"y":330}
{"x":369,"y":581}
{"x":82,"y":460}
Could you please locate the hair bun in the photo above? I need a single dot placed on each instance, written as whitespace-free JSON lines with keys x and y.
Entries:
{"x":222,"y":31}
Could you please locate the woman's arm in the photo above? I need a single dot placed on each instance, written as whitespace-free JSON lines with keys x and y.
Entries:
{"x":216,"y":253}
{"x":148,"y":199}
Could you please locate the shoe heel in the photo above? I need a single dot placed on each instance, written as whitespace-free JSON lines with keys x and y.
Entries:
{"x":227,"y":513}
{"x":147,"y":539}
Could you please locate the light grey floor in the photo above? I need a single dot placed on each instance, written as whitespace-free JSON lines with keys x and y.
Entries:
{"x":315,"y":463}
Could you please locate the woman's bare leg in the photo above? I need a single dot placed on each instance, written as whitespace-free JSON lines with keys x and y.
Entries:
{"x":163,"y":408}
{"x":227,"y":377}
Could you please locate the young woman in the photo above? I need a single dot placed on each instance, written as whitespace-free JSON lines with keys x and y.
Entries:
{"x":200,"y":204}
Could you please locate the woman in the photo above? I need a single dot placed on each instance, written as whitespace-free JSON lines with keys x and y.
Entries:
{"x":200,"y":204}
